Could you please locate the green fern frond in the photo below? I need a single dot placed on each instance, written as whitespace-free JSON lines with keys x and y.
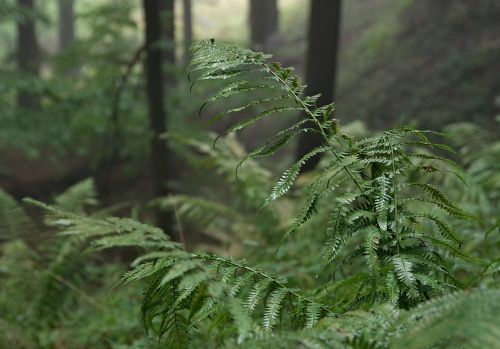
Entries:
{"x":78,"y":196}
{"x":382,"y":198}
{"x":273,"y":307}
{"x":462,"y":320}
{"x":404,"y":271}
{"x":14,"y":221}
{"x":288,"y":178}
{"x":372,"y":238}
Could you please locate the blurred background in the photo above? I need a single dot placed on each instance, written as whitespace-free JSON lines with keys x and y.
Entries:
{"x":73,"y":88}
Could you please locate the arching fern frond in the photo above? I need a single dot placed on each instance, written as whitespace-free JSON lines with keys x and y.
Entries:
{"x":375,"y":204}
{"x":183,"y":289}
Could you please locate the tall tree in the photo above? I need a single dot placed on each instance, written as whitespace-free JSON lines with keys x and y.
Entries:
{"x":167,"y":41}
{"x":263,"y":22}
{"x":28,"y":53}
{"x":66,"y":22}
{"x":323,"y":38}
{"x":153,"y":66}
{"x":188,"y":26}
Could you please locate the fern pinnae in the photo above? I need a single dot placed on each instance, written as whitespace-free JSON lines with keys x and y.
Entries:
{"x":240,"y":283}
{"x":372,"y":238}
{"x":404,"y":272}
{"x":392,"y":288}
{"x":382,"y":201}
{"x":276,"y":142}
{"x":243,"y":321}
{"x":256,"y":294}
{"x":249,"y":105}
{"x":290,"y":175}
{"x":305,"y":214}
{"x":454,"y":251}
{"x":313,"y":314}
{"x":250,"y":121}
{"x":273,"y":308}
{"x":445,"y":229}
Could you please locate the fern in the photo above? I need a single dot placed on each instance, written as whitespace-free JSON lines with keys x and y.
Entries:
{"x":386,"y":245}
{"x":14,"y":221}
{"x":378,"y":205}
{"x":182,"y":289}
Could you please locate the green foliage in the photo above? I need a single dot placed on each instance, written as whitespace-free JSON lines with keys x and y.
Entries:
{"x":381,"y":241}
{"x":380,"y":210}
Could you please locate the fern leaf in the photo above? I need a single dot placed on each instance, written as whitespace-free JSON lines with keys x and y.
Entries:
{"x":273,"y":308}
{"x":250,"y":121}
{"x":288,"y":178}
{"x":256,"y":294}
{"x":247,"y":106}
{"x":313,"y":314}
{"x":392,"y":288}
{"x":372,"y":237}
{"x":404,"y":272}
{"x":75,"y":198}
{"x":14,"y":221}
{"x":382,"y":199}
{"x":243,"y":322}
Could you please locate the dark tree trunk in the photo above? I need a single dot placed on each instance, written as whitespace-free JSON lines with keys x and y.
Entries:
{"x":188,"y":27}
{"x":167,"y":40}
{"x":153,"y":66}
{"x":324,"y":28}
{"x":66,"y":23}
{"x":28,"y":54}
{"x":263,"y":22}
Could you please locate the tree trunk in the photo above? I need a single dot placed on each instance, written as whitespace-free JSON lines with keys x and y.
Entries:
{"x":263,"y":22}
{"x":324,"y":28}
{"x":154,"y":88}
{"x":188,"y":27}
{"x":66,"y":23}
{"x":27,"y":55}
{"x":167,"y":40}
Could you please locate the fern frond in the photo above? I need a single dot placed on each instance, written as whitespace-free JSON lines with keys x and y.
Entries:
{"x":463,"y":319}
{"x":288,"y":178}
{"x":256,"y":294}
{"x":382,"y":198}
{"x":14,"y":221}
{"x":78,"y":196}
{"x":404,"y":271}
{"x":273,"y":308}
{"x":372,"y":238}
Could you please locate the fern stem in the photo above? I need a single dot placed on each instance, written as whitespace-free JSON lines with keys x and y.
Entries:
{"x":314,"y":119}
{"x":395,"y":193}
{"x":265,"y":276}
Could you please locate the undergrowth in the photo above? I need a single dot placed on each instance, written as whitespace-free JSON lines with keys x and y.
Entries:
{"x":383,"y":241}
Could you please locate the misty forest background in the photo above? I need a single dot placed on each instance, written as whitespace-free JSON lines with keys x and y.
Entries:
{"x":94,"y":97}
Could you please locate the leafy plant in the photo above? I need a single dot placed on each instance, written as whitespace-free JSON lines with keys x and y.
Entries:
{"x":385,"y":249}
{"x":368,"y":184}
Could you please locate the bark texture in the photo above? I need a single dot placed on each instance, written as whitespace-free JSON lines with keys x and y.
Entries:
{"x":153,"y":66}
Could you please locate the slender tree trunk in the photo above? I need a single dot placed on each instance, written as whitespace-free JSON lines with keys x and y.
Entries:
{"x":188,"y":27}
{"x":273,"y":16}
{"x":167,"y":41}
{"x":324,"y":28}
{"x":154,"y":88}
{"x":28,"y":54}
{"x":263,"y":22}
{"x":66,"y":23}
